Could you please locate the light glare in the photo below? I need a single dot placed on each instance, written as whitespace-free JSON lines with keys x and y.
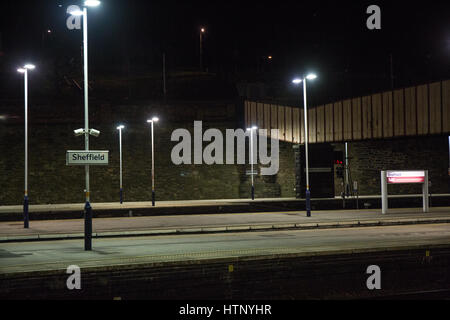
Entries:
{"x":92,"y":3}
{"x":311,"y":76}
{"x":297,"y":81}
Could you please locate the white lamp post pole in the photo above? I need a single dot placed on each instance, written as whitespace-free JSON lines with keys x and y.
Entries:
{"x":152,"y":121}
{"x":26,"y":218}
{"x":120,"y":153}
{"x":26,"y":222}
{"x":305,"y":106}
{"x":308,"y":193}
{"x":251,"y":160}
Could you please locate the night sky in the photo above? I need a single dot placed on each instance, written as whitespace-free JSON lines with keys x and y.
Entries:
{"x":328,"y":37}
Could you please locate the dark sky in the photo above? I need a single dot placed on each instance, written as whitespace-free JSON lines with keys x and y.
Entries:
{"x":329,"y":37}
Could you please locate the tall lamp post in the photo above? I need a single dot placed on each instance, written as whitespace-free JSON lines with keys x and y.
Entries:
{"x":120,"y":153}
{"x":26,"y":218}
{"x":152,"y":121}
{"x":202,"y":31}
{"x":308,"y":193}
{"x":87,"y":132}
{"x":254,"y":128}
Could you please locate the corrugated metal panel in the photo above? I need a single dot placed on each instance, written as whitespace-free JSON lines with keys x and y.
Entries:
{"x":422,"y":109}
{"x":377,"y":116}
{"x":367,"y":117}
{"x":410,"y":111}
{"x":399,"y":113}
{"x":435,"y":108}
{"x":347,"y":105}
{"x":357,"y":119}
{"x":388,"y":115}
{"x":329,"y":123}
{"x":320,"y":123}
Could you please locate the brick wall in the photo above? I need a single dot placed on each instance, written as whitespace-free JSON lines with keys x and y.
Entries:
{"x":368,"y":158}
{"x":51,"y":181}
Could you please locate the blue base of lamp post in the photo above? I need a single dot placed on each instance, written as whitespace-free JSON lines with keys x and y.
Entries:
{"x":87,"y":227}
{"x":253,"y":193}
{"x":153,"y":198}
{"x":121,"y":195}
{"x":26,"y":217}
{"x":308,"y":203}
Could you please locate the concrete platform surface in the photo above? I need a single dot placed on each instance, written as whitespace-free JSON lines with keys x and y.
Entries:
{"x":19,"y":258}
{"x":183,"y":203}
{"x":213,"y":223}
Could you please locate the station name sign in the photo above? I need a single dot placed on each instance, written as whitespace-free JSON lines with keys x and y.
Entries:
{"x":92,"y":158}
{"x":396,"y":177}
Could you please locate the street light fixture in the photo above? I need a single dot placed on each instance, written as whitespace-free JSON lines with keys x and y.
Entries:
{"x":202,"y":31}
{"x":87,"y":131}
{"x":308,"y":193}
{"x":152,"y":121}
{"x":26,"y":218}
{"x":120,"y":151}
{"x":254,"y":128}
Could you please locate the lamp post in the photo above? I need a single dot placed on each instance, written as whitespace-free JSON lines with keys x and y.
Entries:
{"x":308,"y":193}
{"x":87,"y":207}
{"x":202,"y":31}
{"x":152,"y":121}
{"x":254,"y":128}
{"x":26,"y":218}
{"x":120,"y":152}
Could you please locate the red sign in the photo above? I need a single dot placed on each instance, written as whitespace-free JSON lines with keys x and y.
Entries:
{"x":394,"y":177}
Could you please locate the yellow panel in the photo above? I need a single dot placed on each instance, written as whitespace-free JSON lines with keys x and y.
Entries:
{"x":422,"y":109}
{"x":435,"y":108}
{"x":296,"y":124}
{"x":288,"y":115}
{"x":320,"y":124}
{"x":329,"y":123}
{"x":410,"y":111}
{"x":260,"y":115}
{"x":357,"y":119}
{"x":446,"y":106}
{"x":302,"y":126}
{"x":367,"y":117}
{"x":347,"y":105}
{"x":253,"y":117}
{"x":399,"y":113}
{"x":377,"y":119}
{"x":274,"y":116}
{"x":267,"y":118}
{"x":281,"y":123}
{"x":388,"y":115}
{"x":312,"y":125}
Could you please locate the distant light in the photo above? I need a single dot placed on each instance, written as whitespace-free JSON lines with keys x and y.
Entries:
{"x":21,"y":70}
{"x":120,"y":127}
{"x":202,"y":30}
{"x":270,"y":57}
{"x":297,"y":81}
{"x":92,"y":3}
{"x":311,"y":76}
{"x":30,"y":66}
{"x":49,"y":31}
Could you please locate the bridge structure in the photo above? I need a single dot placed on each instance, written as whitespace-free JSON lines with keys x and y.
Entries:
{"x":414,"y":111}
